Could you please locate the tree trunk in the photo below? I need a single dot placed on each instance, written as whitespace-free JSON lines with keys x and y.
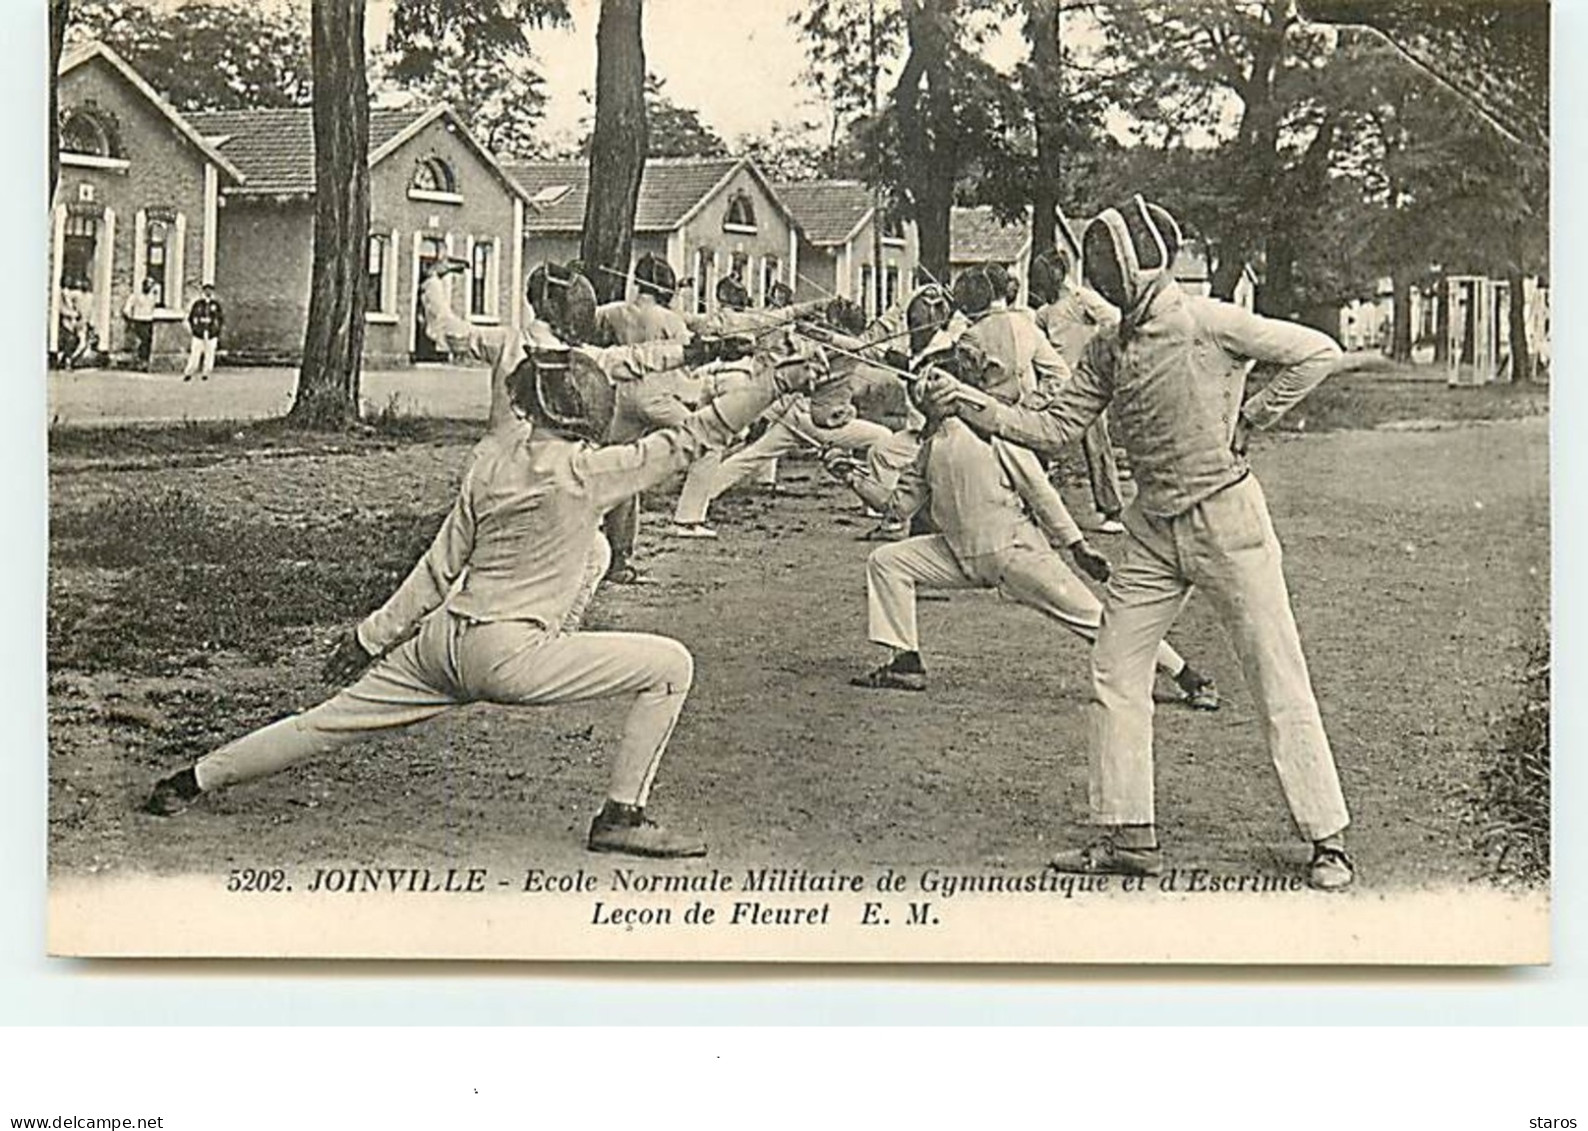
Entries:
{"x":1441,"y":321}
{"x":931,"y":162}
{"x":1401,"y":321}
{"x":1277,"y":296}
{"x":617,"y":148}
{"x":1523,"y":360}
{"x":60,"y":15}
{"x":1226,"y":273}
{"x":1042,"y":27}
{"x":333,"y":344}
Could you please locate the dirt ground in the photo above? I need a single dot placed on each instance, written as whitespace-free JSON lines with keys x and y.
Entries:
{"x":1418,"y":563}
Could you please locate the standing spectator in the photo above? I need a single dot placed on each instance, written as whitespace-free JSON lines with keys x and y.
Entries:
{"x":205,"y":321}
{"x":139,"y":313}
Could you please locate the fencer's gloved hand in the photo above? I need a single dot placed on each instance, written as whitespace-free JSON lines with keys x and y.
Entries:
{"x":839,"y":464}
{"x":1090,"y":562}
{"x":939,"y":395}
{"x":347,"y":660}
{"x":700,"y":351}
{"x":735,"y":347}
{"x":792,"y":373}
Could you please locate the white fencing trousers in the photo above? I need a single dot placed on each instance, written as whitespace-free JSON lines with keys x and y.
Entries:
{"x":782,"y":436}
{"x":201,"y":356}
{"x":1031,"y":572}
{"x":1226,"y":546}
{"x":453,"y":661}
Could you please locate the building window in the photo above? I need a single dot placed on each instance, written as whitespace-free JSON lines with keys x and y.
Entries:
{"x":79,"y":245}
{"x":88,"y":133}
{"x":741,"y":213}
{"x":890,"y":286}
{"x":705,"y":268}
{"x":771,"y":275}
{"x":868,"y":290}
{"x":156,"y":258}
{"x":482,"y":273}
{"x":892,"y":230}
{"x":434,"y":179}
{"x":379,"y":268}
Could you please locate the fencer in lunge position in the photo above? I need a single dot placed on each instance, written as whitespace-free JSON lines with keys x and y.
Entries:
{"x":995,"y":512}
{"x":1173,"y":376}
{"x":518,"y":537}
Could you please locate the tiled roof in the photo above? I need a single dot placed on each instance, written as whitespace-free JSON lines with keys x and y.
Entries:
{"x":976,"y":235}
{"x":669,"y":189}
{"x":274,"y":148}
{"x":827,"y":211}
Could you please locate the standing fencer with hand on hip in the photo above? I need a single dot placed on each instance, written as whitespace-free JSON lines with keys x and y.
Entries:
{"x":1172,"y":376}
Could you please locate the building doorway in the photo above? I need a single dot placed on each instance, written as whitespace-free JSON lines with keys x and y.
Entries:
{"x":432,"y":250}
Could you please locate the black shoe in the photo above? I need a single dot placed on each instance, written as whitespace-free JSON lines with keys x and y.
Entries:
{"x":171,"y":795}
{"x":1330,"y":869}
{"x":1201,"y":693}
{"x":626,"y":829}
{"x":1107,"y":858}
{"x":889,"y":678}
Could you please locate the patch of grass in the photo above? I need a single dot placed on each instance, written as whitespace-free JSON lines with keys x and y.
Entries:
{"x":394,"y":422}
{"x":1512,"y":803}
{"x":233,"y":437}
{"x":160,"y":585}
{"x":1374,"y":392}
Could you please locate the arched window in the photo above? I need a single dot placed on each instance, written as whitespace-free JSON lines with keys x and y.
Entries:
{"x":86,"y":132}
{"x":433,"y":175}
{"x":741,"y":213}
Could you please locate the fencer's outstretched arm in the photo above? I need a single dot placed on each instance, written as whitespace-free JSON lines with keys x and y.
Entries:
{"x":1041,"y":497}
{"x":503,"y":350}
{"x":428,"y":583}
{"x":613,"y":472}
{"x":725,"y":322}
{"x":1045,"y":430}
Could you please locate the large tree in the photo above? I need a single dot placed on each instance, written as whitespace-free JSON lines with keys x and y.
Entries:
{"x":617,"y":147}
{"x":1244,"y":82}
{"x":945,"y":127}
{"x":475,"y":54}
{"x":205,"y":55}
{"x":333,"y":343}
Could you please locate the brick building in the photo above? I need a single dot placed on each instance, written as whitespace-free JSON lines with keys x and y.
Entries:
{"x":434,"y":192}
{"x":138,"y":198}
{"x":836,"y":246}
{"x":709,"y":217}
{"x":227,"y":197}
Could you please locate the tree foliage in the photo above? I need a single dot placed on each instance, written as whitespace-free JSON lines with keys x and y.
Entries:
{"x":475,"y":54}
{"x":674,"y":130}
{"x":206,"y":54}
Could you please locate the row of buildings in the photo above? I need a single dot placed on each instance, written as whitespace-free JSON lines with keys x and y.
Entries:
{"x":147,"y":192}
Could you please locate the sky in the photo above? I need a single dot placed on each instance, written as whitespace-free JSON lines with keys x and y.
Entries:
{"x":739,"y":63}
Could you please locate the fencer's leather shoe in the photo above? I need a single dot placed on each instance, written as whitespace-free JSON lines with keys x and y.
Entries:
{"x":1107,"y":858}
{"x":690,"y":530}
{"x":890,"y":679}
{"x":627,"y":830}
{"x":1200,"y":692}
{"x":171,"y":795}
{"x":1331,"y":869}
